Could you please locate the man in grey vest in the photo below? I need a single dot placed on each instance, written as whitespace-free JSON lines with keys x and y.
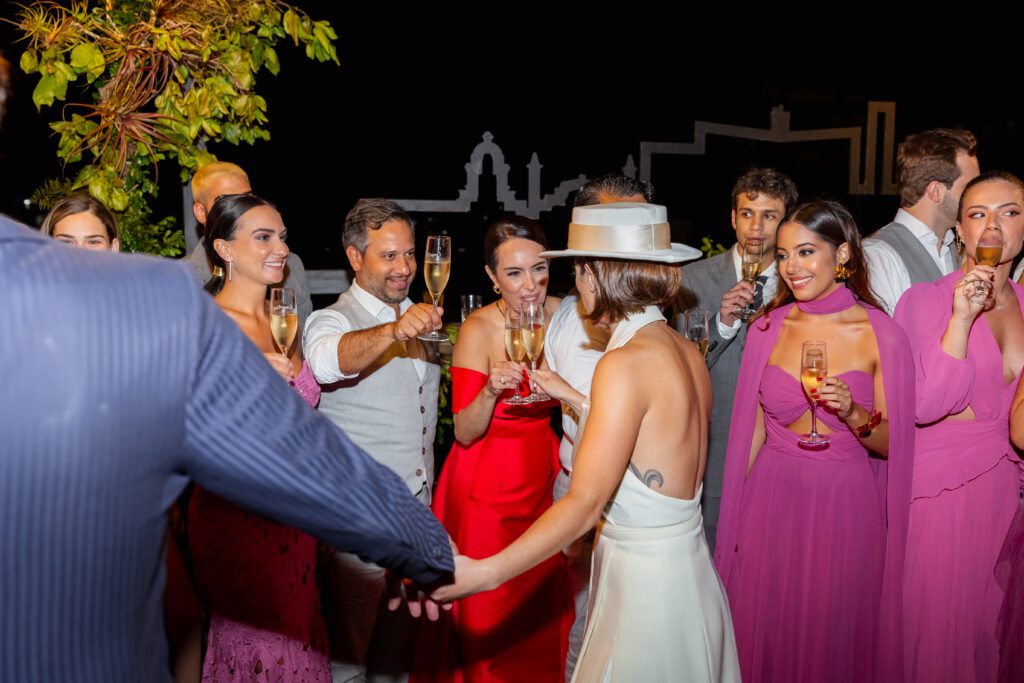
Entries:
{"x":380,"y":386}
{"x":761,"y":198}
{"x":932,"y":168}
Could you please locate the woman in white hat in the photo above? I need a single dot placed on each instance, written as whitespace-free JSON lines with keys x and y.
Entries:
{"x":657,"y":609}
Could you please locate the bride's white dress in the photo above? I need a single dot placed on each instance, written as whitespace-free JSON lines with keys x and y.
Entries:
{"x":657,"y":609}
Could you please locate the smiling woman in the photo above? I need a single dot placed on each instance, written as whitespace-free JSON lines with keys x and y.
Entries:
{"x":498,"y":480}
{"x":810,"y":538}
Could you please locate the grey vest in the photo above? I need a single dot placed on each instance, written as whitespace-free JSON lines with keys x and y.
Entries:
{"x":387,"y":410}
{"x":920,"y":265}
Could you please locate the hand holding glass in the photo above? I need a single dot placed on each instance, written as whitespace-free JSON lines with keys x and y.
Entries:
{"x":752,"y":255}
{"x":813,"y":369}
{"x":437,"y":264}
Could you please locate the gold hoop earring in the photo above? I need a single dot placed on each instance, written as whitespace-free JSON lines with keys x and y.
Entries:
{"x":496,"y":288}
{"x":842,"y":272}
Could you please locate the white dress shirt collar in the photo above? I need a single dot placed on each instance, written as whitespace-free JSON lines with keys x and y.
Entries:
{"x":377,"y":308}
{"x":922,"y":232}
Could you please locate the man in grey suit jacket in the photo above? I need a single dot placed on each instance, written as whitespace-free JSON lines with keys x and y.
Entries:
{"x":761,"y":198}
{"x":918,"y":245}
{"x":123,"y":381}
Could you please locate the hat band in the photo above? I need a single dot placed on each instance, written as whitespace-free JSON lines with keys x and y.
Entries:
{"x":628,"y":239}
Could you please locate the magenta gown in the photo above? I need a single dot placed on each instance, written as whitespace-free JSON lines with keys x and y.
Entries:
{"x":257,"y":581}
{"x":811,"y":541}
{"x":965,"y":494}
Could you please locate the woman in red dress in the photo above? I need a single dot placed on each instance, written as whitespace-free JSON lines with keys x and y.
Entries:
{"x":497,"y":481}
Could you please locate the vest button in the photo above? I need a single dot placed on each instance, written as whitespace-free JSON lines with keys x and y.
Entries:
{"x":424,"y":430}
{"x":419,"y":473}
{"x":421,"y":390}
{"x":424,"y":450}
{"x":422,"y":409}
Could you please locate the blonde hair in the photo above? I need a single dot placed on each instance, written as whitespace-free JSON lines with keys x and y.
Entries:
{"x":210,"y":171}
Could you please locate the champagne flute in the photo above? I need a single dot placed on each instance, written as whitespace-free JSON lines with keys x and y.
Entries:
{"x":514,"y":347}
{"x":750,"y":266}
{"x":437,"y":266}
{"x":531,"y":330}
{"x":696,"y":328}
{"x":284,"y":320}
{"x":813,"y":368}
{"x":989,"y":252}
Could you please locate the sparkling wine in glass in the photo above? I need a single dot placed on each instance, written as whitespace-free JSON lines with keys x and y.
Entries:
{"x":750,"y":266}
{"x":284,"y":320}
{"x":437,"y":265}
{"x":531,"y":329}
{"x":813,"y":369}
{"x":989,"y":252}
{"x":514,"y":347}
{"x":696,"y":328}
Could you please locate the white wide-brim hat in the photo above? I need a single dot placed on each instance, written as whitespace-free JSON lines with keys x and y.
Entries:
{"x":624,"y":230}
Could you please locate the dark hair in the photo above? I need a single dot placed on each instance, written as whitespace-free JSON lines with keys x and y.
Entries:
{"x":80,"y":203}
{"x":832,"y":222}
{"x":768,"y":182}
{"x":929,"y":156}
{"x":627,"y":287}
{"x":221,"y":223}
{"x":987,"y":177}
{"x":370,"y":214}
{"x":509,"y":228}
{"x":613,"y":185}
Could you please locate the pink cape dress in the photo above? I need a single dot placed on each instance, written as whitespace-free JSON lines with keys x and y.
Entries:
{"x":965,"y":494}
{"x":810,"y":544}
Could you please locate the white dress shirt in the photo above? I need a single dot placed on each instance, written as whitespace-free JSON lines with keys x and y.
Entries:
{"x":572,"y":348}
{"x":320,"y":341}
{"x":771,"y":286}
{"x":889,"y":276}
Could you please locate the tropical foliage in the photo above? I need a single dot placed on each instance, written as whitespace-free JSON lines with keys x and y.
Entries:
{"x":153,"y":80}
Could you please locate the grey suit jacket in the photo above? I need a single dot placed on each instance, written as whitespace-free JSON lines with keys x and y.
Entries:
{"x":123,"y":381}
{"x":703,"y":284}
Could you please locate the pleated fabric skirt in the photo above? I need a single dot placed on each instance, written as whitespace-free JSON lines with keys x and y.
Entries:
{"x":657,"y":609}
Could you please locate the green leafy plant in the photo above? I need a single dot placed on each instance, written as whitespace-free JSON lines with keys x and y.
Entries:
{"x":710,"y":247}
{"x":154,"y":80}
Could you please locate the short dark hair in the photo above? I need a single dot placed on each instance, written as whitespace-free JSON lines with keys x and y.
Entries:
{"x":370,"y":214}
{"x":929,"y":156}
{"x":509,"y":228}
{"x":627,"y":287}
{"x":987,"y":177}
{"x":613,"y":185}
{"x":221,"y":223}
{"x":768,"y":182}
{"x":80,"y":203}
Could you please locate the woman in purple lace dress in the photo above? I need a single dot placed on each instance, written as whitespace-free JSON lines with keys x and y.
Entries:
{"x":255,"y":578}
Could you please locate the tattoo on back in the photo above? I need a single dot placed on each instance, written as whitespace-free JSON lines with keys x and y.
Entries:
{"x":649,"y":477}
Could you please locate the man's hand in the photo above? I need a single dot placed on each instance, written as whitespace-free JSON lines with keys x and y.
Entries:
{"x":419,"y":319}
{"x":735,"y":299}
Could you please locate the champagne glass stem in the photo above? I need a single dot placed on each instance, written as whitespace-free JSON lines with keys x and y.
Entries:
{"x":814,"y":419}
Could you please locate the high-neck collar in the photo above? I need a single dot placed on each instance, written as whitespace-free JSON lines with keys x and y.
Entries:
{"x":839,"y":300}
{"x":628,"y":326}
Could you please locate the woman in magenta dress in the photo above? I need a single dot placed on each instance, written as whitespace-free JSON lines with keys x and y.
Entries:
{"x":497,"y":481}
{"x":255,"y":578}
{"x":968,"y":344}
{"x":810,"y":542}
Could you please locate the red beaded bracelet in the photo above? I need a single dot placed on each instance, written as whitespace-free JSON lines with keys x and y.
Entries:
{"x":864,"y":431}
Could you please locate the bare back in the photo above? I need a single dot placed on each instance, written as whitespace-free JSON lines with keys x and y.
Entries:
{"x":669,"y":386}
